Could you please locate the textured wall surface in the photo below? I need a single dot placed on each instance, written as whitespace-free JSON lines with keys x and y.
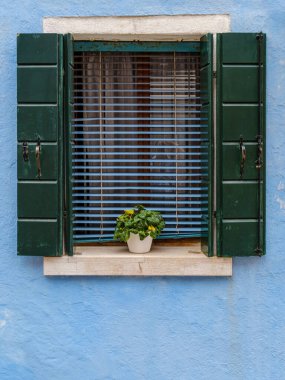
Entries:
{"x":127,"y":328}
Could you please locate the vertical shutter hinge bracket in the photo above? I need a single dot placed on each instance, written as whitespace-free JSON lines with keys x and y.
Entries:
{"x":214,"y":74}
{"x":258,"y":162}
{"x":25,"y":149}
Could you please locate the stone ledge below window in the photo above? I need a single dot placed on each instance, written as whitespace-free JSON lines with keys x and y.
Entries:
{"x":117,"y":261}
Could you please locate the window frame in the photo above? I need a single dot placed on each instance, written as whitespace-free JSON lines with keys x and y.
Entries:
{"x":152,"y":28}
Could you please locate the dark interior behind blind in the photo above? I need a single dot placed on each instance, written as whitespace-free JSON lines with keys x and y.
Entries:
{"x":137,"y":132}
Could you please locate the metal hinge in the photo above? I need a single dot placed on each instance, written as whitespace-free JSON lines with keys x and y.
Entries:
{"x":259,"y":251}
{"x":258,"y":162}
{"x":214,"y":214}
{"x":214,"y":74}
{"x":65,"y":214}
{"x":25,"y":150}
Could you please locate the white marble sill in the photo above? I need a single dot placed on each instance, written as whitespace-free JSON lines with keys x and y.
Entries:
{"x":117,"y":261}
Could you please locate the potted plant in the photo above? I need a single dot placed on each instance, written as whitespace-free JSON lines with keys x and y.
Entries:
{"x":138,"y":227}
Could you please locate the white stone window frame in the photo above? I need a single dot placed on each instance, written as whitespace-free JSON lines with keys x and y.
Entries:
{"x":161,"y":261}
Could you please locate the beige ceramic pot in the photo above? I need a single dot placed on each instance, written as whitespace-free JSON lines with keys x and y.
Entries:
{"x":139,"y":246}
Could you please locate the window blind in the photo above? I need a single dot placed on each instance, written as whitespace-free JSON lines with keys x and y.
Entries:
{"x":138,"y":137}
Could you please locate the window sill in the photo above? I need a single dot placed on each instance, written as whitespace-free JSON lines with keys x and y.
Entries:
{"x":117,"y":261}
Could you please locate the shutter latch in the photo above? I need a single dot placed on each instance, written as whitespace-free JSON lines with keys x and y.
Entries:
{"x":38,"y":158}
{"x":243,"y":156}
{"x":25,"y":149}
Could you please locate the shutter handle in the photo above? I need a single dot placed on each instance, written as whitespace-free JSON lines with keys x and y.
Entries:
{"x":243,"y":156}
{"x":38,"y":158}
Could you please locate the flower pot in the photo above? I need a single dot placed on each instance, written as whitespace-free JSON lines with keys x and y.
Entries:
{"x":139,"y":246}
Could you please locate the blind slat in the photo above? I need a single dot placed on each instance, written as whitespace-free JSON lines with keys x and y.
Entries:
{"x":141,"y":133}
{"x":154,"y":161}
{"x":121,"y":209}
{"x":139,"y":154}
{"x":163,"y":197}
{"x":198,"y":188}
{"x":145,"y":175}
{"x":107,"y":222}
{"x":138,"y":125}
{"x":115,"y":146}
{"x":162,"y":111}
{"x":182,"y":229}
{"x":87,"y":216}
{"x":129,"y":105}
{"x":153,"y":97}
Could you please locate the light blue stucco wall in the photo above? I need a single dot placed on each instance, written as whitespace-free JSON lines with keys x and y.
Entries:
{"x":152,"y":328}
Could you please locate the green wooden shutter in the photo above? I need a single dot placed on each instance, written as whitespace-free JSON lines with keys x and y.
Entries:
{"x":68,"y":106}
{"x":40,"y":120}
{"x":240,"y":128}
{"x":206,"y":73}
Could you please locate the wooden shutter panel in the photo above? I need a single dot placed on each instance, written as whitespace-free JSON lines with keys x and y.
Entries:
{"x":240,"y":133}
{"x":206,"y":73}
{"x":40,"y":195}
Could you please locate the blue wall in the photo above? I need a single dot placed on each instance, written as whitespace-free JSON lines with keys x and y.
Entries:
{"x":152,"y":328}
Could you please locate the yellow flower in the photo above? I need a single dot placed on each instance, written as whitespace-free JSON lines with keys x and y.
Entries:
{"x":151,"y":228}
{"x":129,"y":212}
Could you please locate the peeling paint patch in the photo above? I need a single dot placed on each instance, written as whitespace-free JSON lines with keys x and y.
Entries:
{"x":16,"y":356}
{"x":281,"y":186}
{"x":5,"y":314}
{"x":281,"y":203}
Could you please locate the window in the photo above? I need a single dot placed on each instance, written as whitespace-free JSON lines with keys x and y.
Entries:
{"x":138,"y":132}
{"x":49,"y":169}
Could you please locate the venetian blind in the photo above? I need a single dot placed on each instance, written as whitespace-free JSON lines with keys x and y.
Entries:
{"x":138,"y":133}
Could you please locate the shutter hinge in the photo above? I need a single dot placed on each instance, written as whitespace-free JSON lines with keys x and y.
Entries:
{"x":258,"y":162}
{"x":214,"y":74}
{"x":25,"y":149}
{"x":65,"y":214}
{"x":258,"y":251}
{"x":260,"y":36}
{"x":214,"y":214}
